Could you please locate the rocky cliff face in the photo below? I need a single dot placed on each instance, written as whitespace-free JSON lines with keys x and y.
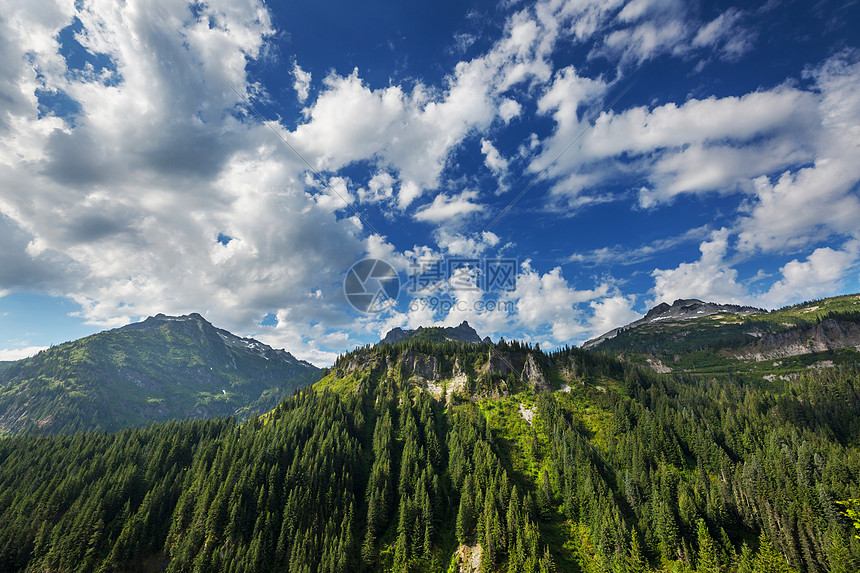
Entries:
{"x":426,"y":367}
{"x":427,"y":371}
{"x":498,"y":363}
{"x":829,"y":334}
{"x":533,"y":375}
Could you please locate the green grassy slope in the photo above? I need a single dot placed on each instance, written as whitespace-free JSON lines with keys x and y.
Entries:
{"x":132,"y":376}
{"x":726,"y":344}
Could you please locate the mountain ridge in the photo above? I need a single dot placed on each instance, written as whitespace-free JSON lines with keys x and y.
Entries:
{"x":739,"y":340}
{"x":430,"y":455}
{"x":461,"y":333}
{"x":681,"y":309}
{"x":159,"y":369}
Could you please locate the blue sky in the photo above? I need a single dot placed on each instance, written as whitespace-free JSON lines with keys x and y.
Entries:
{"x":637,"y":151}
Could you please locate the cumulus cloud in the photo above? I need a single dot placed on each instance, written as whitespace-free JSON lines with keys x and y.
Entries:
{"x":815,"y":201}
{"x":544,"y":306}
{"x":120,"y":175}
{"x":711,"y":278}
{"x":413,"y":132}
{"x":379,"y":188}
{"x":725,"y":145}
{"x":458,"y":244}
{"x":711,"y":144}
{"x":824,"y":273}
{"x":492,"y":158}
{"x":120,"y":207}
{"x":548,"y":300}
{"x":447,"y":207}
{"x":509,"y":109}
{"x":301,"y":82}
{"x":611,"y":312}
{"x":10,"y":354}
{"x":495,"y":163}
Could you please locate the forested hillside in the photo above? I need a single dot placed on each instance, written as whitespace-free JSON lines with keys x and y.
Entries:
{"x":627,"y":470}
{"x":762,"y":345}
{"x":164,"y":368}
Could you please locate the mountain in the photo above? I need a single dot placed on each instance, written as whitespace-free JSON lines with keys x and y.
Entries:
{"x":706,"y":338}
{"x":461,"y":333}
{"x":426,"y":456}
{"x":680,"y":310}
{"x":163,"y":368}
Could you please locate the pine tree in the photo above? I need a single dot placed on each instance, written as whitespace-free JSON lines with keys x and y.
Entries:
{"x":635,"y":562}
{"x":465,"y":513}
{"x":707,"y":561}
{"x":767,"y":559}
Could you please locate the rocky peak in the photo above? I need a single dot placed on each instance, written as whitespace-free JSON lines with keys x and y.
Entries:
{"x":461,"y":333}
{"x":681,"y":309}
{"x":214,"y":338}
{"x":686,"y":308}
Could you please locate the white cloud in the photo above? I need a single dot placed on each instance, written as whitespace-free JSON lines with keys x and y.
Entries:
{"x":118,"y":205}
{"x":335,"y":195}
{"x":702,"y":145}
{"x":509,"y":109}
{"x":446,"y":207}
{"x":629,"y":256}
{"x":379,"y":188}
{"x":496,"y":163}
{"x":611,"y":312}
{"x":815,"y":201}
{"x":413,"y":132}
{"x":301,"y":83}
{"x":710,"y":279}
{"x":492,"y":158}
{"x":823,"y":273}
{"x":461,"y":245}
{"x":739,"y":119}
{"x":548,"y":300}
{"x":121,"y":209}
{"x":645,"y":29}
{"x":726,"y":33}
{"x":9,"y":354}
{"x":645,"y":41}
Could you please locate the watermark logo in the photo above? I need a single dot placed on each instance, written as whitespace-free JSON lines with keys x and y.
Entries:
{"x":462,"y":274}
{"x":436,"y":283}
{"x":371,"y":285}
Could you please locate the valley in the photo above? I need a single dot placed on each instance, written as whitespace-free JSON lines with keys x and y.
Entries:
{"x":437,"y":454}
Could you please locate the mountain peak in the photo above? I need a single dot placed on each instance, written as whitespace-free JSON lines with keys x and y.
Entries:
{"x":162,"y":368}
{"x":681,"y":309}
{"x":461,"y":333}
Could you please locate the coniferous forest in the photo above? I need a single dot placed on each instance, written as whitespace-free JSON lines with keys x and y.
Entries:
{"x":625,"y":470}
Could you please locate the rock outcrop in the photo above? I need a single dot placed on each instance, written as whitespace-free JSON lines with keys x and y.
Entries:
{"x":828,"y":335}
{"x":426,"y":367}
{"x":532,"y":374}
{"x":497,"y":363}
